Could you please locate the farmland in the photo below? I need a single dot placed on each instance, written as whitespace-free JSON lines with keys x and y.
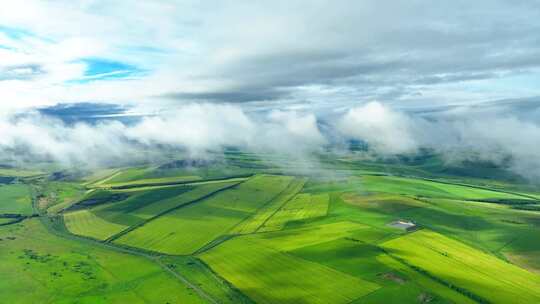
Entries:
{"x":268,"y":276}
{"x":187,"y":229}
{"x":39,"y":267}
{"x":168,"y":234}
{"x":482,"y":276}
{"x":16,"y":199}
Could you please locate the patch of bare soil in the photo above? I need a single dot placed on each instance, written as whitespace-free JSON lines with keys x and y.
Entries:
{"x":425,"y":298}
{"x":393,"y":277}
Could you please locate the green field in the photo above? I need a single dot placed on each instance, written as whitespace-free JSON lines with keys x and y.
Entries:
{"x":472,"y":271}
{"x":110,"y":218}
{"x":187,"y":229}
{"x":302,"y":206}
{"x":15,"y":199}
{"x":269,"y":276}
{"x":422,"y":187}
{"x":87,"y":223}
{"x":39,"y":267}
{"x":58,"y":196}
{"x":247,"y":232}
{"x":257,"y":220}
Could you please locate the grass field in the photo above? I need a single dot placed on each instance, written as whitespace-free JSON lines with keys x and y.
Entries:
{"x":60,"y":195}
{"x":87,"y":223}
{"x":150,"y":181}
{"x":269,"y":276}
{"x":187,"y":229}
{"x":199,"y":274}
{"x":466,"y":268}
{"x":38,"y":267}
{"x":302,"y":206}
{"x":108,"y":219}
{"x":15,"y":198}
{"x":265,"y":237}
{"x":257,"y":220}
{"x":422,"y":187}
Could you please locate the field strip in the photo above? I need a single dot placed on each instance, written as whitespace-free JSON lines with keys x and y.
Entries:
{"x":252,"y":223}
{"x":173,"y":183}
{"x":301,"y":206}
{"x":481,"y":188}
{"x":471,"y":272}
{"x":101,"y":181}
{"x":131,"y":228}
{"x":456,"y":184}
{"x":281,"y":206}
{"x":85,"y":222}
{"x":251,"y":267}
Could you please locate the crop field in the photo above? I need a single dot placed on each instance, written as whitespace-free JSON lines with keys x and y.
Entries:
{"x":167,"y":234}
{"x":199,"y":274}
{"x":150,"y":181}
{"x":287,"y":240}
{"x":87,"y":223}
{"x":257,"y":220}
{"x":187,"y":229}
{"x":475,"y":273}
{"x":38,"y":267}
{"x":269,"y":276}
{"x":110,"y":218}
{"x":302,"y":206}
{"x":15,"y":199}
{"x":421,"y":187}
{"x":390,"y":203}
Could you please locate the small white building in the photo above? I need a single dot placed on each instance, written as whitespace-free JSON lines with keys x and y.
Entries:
{"x":403,"y":224}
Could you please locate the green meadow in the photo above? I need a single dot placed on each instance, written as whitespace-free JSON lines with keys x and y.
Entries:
{"x":15,"y":198}
{"x":187,"y":229}
{"x":249,"y":232}
{"x":40,"y":267}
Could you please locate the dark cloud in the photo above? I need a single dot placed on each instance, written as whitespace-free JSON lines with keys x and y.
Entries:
{"x":240,"y":95}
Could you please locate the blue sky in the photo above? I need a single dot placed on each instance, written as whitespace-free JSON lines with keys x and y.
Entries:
{"x":269,"y":54}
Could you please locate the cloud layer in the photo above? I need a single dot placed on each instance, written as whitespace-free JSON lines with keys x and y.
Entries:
{"x":205,"y":130}
{"x":277,"y":52}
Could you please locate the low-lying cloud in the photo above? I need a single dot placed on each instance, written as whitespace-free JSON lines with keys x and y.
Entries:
{"x":458,"y":135}
{"x":388,"y":132}
{"x":195,"y":129}
{"x":201,"y":130}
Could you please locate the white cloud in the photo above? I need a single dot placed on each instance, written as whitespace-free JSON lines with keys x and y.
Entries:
{"x":385,"y":130}
{"x":195,"y":128}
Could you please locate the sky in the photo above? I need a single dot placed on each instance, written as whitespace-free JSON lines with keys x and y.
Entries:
{"x":291,"y":54}
{"x":402,"y":75}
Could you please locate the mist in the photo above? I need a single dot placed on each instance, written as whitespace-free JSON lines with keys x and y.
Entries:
{"x":205,"y":130}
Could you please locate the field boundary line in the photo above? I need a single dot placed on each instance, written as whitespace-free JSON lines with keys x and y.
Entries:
{"x":261,"y":207}
{"x":225,"y":237}
{"x":172,"y":183}
{"x":131,"y":228}
{"x":305,"y":179}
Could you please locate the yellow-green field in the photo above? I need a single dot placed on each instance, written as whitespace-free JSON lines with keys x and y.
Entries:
{"x":269,"y":276}
{"x":459,"y":265}
{"x":86,"y":223}
{"x":244,"y":233}
{"x":257,"y":220}
{"x":302,"y":206}
{"x":187,"y":229}
{"x":39,"y":267}
{"x":15,"y":199}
